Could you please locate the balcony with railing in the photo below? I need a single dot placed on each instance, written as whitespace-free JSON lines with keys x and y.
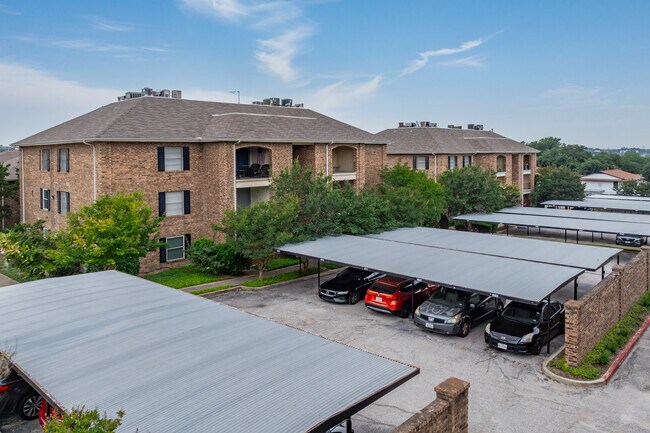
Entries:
{"x":252,"y":167}
{"x":526,"y":165}
{"x":344,"y":163}
{"x":501,"y":166}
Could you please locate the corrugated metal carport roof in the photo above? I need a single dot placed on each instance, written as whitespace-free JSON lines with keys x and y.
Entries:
{"x":177,"y":363}
{"x":510,"y":278}
{"x":618,"y":197}
{"x":594,"y":226}
{"x":557,"y":253}
{"x":617,"y":205}
{"x":579,"y":214}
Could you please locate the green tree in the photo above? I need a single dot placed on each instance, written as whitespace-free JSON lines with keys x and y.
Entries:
{"x":413,"y":199}
{"x":112,"y":233}
{"x":217,"y":258}
{"x":566,"y":155}
{"x":7,"y":190}
{"x":511,"y":195}
{"x":632,"y":187}
{"x":546,"y":143}
{"x":255,"y":232}
{"x":471,"y":189}
{"x":592,"y":165}
{"x":80,"y":420}
{"x":557,"y":183}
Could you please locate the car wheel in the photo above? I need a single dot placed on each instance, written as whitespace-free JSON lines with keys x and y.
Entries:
{"x":464,"y":328}
{"x":29,"y":405}
{"x":405,"y":311}
{"x":353,"y":298}
{"x":537,"y":347}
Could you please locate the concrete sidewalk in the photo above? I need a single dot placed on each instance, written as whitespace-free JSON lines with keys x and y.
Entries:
{"x":249,"y":275}
{"x":6,"y":281}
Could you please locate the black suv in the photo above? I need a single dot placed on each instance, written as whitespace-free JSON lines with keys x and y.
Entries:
{"x":349,"y":286}
{"x":18,"y":397}
{"x":525,"y":328}
{"x":630,"y":240}
{"x":454,"y":312}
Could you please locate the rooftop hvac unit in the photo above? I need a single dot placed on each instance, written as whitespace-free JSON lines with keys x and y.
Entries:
{"x":257,"y":102}
{"x":478,"y":127}
{"x":400,"y":125}
{"x":434,"y":125}
{"x":299,"y":105}
{"x":409,"y":124}
{"x":275,"y":101}
{"x":266,"y":101}
{"x":424,"y":124}
{"x":177,"y":94}
{"x":458,"y":127}
{"x":450,"y":126}
{"x":470,"y":126}
{"x":287,"y":102}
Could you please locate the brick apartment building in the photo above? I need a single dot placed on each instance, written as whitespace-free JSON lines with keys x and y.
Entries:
{"x":436,"y":150}
{"x":193,"y":160}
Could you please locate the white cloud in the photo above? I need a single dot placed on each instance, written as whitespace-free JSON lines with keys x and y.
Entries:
{"x":569,"y":89}
{"x":418,"y":64}
{"x":89,"y":45}
{"x":471,"y":62}
{"x":34,"y":100}
{"x":342,"y":94}
{"x":105,"y":25}
{"x":277,"y":53}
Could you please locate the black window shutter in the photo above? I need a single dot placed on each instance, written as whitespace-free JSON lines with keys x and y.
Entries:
{"x":68,"y":208}
{"x":415,"y":162}
{"x":426,"y":162}
{"x":161,"y":159}
{"x":186,"y":158}
{"x":186,"y":202}
{"x":58,"y":160}
{"x":67,"y":151}
{"x":161,"y":203}
{"x":41,"y":198}
{"x":58,"y":201}
{"x":188,"y":241}
{"x":163,"y":251}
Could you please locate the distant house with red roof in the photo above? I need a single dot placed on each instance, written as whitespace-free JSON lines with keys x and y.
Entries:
{"x":606,"y":181}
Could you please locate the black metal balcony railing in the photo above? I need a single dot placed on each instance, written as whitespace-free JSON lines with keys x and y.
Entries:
{"x":526,"y":166}
{"x":253,"y":170}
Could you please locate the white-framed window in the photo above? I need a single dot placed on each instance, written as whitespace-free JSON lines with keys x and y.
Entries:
{"x":420,"y":163}
{"x":501,"y":164}
{"x":173,"y":158}
{"x":45,"y":199}
{"x":174,"y":248}
{"x":172,"y":203}
{"x":467,"y":160}
{"x":63,"y":160}
{"x":451,"y":162}
{"x":45,"y":159}
{"x":63,"y":199}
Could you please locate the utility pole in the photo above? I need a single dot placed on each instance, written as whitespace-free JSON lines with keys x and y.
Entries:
{"x":238,"y":95}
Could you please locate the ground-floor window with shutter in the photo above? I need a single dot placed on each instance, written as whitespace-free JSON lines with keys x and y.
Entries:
{"x":63,"y":199}
{"x":175,"y":247}
{"x":174,"y":203}
{"x":420,"y":163}
{"x":45,"y":199}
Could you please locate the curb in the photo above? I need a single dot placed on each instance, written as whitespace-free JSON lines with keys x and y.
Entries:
{"x":269,"y":286}
{"x":565,"y":380}
{"x":614,"y":366}
{"x":625,"y":351}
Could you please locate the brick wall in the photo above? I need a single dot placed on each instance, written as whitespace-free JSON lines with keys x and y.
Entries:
{"x":590,"y":317}
{"x":448,"y":413}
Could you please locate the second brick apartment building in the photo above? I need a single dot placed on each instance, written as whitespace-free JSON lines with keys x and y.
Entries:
{"x":424,"y":146}
{"x":193,"y":160}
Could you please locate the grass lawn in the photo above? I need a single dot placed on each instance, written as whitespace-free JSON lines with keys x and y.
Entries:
{"x":15,"y":274}
{"x":185,"y":276}
{"x":281,"y":262}
{"x":210,"y":290}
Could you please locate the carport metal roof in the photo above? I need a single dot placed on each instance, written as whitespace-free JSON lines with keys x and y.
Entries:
{"x":594,"y":226}
{"x":557,"y":253}
{"x":579,"y":214}
{"x":617,"y":205}
{"x":618,"y":197}
{"x":177,"y":363}
{"x":510,"y":278}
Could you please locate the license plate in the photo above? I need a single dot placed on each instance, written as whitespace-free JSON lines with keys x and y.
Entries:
{"x":378,"y":298}
{"x":429,"y":325}
{"x":502,"y":346}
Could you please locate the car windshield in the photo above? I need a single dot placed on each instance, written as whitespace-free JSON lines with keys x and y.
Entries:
{"x":383,"y":288}
{"x":449,"y":297}
{"x":351,"y":273}
{"x":522,"y":313}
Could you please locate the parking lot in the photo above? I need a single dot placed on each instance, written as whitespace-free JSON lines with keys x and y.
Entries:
{"x":508,"y":392}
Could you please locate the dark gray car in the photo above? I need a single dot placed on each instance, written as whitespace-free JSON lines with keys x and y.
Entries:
{"x":454,"y":312}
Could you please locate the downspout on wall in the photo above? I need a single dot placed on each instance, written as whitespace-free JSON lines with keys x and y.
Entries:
{"x":22,"y":185}
{"x":234,"y":173}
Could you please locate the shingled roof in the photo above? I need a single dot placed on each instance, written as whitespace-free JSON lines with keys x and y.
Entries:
{"x":167,"y":119}
{"x":427,"y":141}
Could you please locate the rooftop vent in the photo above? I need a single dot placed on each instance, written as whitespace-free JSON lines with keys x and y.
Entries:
{"x":427,"y":124}
{"x":475,"y":127}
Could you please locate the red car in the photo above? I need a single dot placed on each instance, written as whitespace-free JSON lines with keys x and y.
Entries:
{"x":46,"y":412}
{"x":393,"y":295}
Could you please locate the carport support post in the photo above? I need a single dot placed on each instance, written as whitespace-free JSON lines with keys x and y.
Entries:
{"x":602,"y":272}
{"x":564,"y":235}
{"x":318,"y":283}
{"x":548,"y":325}
{"x":618,"y":259}
{"x":577,"y":235}
{"x":575,"y":289}
{"x":507,"y":231}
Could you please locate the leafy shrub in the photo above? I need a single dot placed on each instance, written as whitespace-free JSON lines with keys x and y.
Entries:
{"x":80,"y":420}
{"x":217,"y":258}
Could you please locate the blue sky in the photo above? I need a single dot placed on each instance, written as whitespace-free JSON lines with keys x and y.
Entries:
{"x":576,"y":70}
